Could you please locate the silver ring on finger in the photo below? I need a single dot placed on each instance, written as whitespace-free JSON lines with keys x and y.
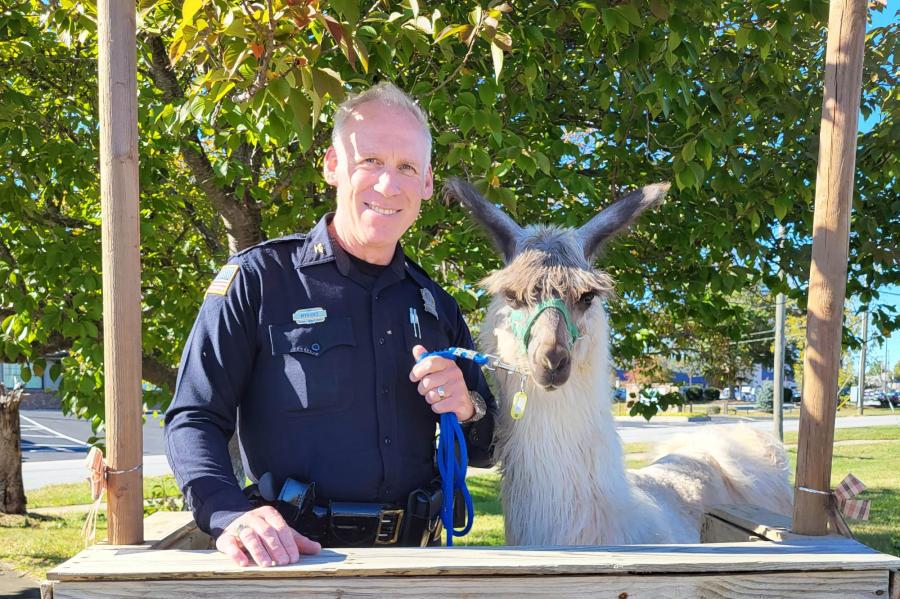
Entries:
{"x":441,"y":392}
{"x":239,"y":529}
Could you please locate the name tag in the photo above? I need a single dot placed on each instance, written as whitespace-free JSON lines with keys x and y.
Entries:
{"x":310,"y":315}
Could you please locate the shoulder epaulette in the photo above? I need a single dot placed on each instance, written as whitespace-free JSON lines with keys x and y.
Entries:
{"x":295,"y":237}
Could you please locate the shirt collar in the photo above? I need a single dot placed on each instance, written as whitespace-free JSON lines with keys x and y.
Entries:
{"x":320,"y":248}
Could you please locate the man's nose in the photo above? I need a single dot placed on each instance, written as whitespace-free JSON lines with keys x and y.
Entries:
{"x":388,"y":182}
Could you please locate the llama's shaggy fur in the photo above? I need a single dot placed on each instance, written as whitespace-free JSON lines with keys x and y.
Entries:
{"x":563,"y":476}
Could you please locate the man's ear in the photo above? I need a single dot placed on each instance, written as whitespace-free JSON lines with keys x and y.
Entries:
{"x":329,"y":166}
{"x":429,"y":183}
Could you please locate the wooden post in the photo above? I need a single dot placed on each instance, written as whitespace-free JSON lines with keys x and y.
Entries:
{"x":828,"y":271}
{"x":121,"y":267}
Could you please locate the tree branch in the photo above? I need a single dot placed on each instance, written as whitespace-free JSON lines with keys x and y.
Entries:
{"x":242,"y":222}
{"x":262,"y":67}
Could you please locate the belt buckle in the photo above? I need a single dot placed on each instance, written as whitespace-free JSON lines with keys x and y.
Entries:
{"x":389,"y":522}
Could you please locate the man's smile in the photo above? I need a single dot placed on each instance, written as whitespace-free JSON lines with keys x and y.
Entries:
{"x":380,"y":210}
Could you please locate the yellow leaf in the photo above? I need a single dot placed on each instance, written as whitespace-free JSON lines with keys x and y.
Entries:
{"x":190,"y":8}
{"x":450,"y":30}
{"x":497,"y":56}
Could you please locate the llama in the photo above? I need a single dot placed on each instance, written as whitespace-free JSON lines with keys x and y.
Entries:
{"x":563,"y":479}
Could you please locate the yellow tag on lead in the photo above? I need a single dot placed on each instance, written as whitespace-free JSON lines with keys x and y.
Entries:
{"x":517,"y":410}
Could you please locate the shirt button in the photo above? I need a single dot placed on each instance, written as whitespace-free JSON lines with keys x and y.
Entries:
{"x":384,"y":390}
{"x":381,"y":341}
{"x":387,"y":440}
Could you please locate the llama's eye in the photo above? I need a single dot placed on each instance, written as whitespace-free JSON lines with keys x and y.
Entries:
{"x":513,"y":300}
{"x":587,"y":298}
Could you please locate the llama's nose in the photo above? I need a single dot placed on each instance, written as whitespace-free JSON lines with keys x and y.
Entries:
{"x":556,"y":359}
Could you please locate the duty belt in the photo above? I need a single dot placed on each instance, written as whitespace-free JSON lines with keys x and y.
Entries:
{"x":358,"y":524}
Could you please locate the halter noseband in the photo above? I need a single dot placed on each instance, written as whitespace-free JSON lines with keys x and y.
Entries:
{"x":520,"y":321}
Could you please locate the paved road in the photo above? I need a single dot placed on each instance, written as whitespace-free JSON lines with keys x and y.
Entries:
{"x":634,"y":430}
{"x":54,"y":447}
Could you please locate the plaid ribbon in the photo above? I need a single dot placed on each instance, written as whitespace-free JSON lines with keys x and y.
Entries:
{"x":855,"y":509}
{"x":842,"y":503}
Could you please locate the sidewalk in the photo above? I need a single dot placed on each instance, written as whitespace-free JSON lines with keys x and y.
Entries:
{"x":17,"y":586}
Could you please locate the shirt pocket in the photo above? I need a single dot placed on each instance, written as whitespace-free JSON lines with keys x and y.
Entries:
{"x":314,"y":361}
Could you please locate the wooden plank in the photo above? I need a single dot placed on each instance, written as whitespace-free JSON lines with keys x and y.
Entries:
{"x":715,"y":530}
{"x":894,"y":584}
{"x":174,"y":530}
{"x":47,"y":587}
{"x":819,"y":585}
{"x":108,"y":562}
{"x":120,"y":236}
{"x":761,"y":522}
{"x":828,"y":269}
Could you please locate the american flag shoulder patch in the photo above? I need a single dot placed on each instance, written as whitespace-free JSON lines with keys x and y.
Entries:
{"x":223,"y":280}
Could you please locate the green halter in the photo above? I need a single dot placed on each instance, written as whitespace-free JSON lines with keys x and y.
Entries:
{"x":521,"y":322}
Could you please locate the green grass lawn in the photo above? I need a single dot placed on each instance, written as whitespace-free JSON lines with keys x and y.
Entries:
{"x":37,"y":542}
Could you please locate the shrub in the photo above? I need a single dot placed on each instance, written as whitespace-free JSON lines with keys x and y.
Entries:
{"x":693,"y":394}
{"x":711,"y":394}
{"x":764,"y":395}
{"x":712,"y":410}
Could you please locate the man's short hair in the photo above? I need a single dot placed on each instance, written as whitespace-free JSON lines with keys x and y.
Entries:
{"x":388,"y":94}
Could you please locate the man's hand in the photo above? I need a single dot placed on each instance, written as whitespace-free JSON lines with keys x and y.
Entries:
{"x":265,"y":536}
{"x":442,"y":385}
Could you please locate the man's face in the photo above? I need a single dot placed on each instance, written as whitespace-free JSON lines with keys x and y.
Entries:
{"x":381,"y":170}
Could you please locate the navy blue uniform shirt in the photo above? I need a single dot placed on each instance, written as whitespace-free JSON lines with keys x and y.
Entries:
{"x":313,"y":357}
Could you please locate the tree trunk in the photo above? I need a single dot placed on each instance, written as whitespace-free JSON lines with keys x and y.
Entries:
{"x":12,"y":490}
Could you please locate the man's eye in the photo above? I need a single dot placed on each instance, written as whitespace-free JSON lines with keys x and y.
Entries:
{"x":372,"y":161}
{"x":587,"y":298}
{"x":408,"y":168}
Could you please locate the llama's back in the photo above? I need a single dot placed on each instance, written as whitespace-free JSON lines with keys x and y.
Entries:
{"x":718,"y":465}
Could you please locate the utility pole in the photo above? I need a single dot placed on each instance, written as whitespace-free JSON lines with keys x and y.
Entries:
{"x":861,"y":377}
{"x":778,"y":374}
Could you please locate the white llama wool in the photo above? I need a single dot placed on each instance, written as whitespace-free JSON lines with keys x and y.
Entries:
{"x":564,"y":480}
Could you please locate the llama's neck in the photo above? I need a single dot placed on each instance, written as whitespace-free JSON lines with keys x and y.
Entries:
{"x":562,"y":465}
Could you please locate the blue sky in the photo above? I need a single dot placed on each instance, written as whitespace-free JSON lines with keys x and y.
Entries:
{"x":890,"y":295}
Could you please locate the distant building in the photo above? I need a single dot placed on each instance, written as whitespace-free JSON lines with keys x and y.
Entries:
{"x":12,"y":376}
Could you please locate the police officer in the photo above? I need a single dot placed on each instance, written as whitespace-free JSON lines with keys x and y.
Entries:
{"x":311,"y":340}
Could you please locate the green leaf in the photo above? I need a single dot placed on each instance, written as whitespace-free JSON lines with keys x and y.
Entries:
{"x":673,"y":42}
{"x":497,"y":59}
{"x":742,"y":38}
{"x":782,"y":206}
{"x":687,"y":152}
{"x":631,"y":14}
{"x":684,"y":178}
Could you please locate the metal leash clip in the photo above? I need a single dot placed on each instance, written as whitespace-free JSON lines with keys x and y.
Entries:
{"x":494,"y":362}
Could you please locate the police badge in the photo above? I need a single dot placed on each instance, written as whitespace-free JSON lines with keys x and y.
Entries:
{"x":428,"y":299}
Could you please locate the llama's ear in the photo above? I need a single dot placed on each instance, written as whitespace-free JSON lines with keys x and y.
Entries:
{"x":620,"y":215}
{"x":502,"y":229}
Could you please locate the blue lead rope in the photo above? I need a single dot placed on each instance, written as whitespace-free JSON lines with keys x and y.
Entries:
{"x":453,"y":470}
